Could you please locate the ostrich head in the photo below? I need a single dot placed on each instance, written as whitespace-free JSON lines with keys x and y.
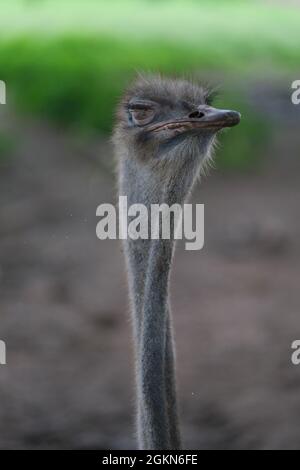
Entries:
{"x":170,"y":125}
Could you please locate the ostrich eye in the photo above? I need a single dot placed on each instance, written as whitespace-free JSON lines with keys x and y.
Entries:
{"x":141,"y":117}
{"x":142,"y":112}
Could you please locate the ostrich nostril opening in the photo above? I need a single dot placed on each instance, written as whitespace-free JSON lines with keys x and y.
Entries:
{"x":196,"y":115}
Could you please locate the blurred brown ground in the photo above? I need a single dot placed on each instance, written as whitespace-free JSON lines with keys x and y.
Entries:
{"x":65,"y":318}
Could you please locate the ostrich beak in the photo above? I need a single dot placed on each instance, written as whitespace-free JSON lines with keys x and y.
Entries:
{"x":219,"y":118}
{"x":209,"y":118}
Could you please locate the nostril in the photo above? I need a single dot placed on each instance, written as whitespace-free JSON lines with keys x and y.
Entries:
{"x":196,"y":114}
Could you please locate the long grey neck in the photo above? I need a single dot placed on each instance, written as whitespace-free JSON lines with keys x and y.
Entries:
{"x":149,"y":263}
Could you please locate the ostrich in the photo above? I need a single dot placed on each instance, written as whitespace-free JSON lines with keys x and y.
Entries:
{"x":163,"y":138}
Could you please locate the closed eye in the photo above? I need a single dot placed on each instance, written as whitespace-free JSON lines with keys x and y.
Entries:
{"x":141,"y":112}
{"x":140,"y":116}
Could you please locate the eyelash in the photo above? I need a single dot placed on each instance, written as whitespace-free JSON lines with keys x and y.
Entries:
{"x":139,"y":108}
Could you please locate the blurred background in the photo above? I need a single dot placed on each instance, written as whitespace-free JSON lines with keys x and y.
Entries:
{"x":64,"y":314}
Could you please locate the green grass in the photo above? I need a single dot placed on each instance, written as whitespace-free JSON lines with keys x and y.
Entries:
{"x":68,"y":61}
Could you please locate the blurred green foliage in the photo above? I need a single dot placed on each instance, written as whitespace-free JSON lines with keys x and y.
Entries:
{"x":243,"y":147}
{"x":69,"y":61}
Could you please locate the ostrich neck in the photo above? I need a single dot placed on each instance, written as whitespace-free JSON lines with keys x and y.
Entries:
{"x":143,"y":186}
{"x":149,"y":263}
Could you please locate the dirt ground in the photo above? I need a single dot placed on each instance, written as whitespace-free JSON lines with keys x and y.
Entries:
{"x":68,"y":382}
